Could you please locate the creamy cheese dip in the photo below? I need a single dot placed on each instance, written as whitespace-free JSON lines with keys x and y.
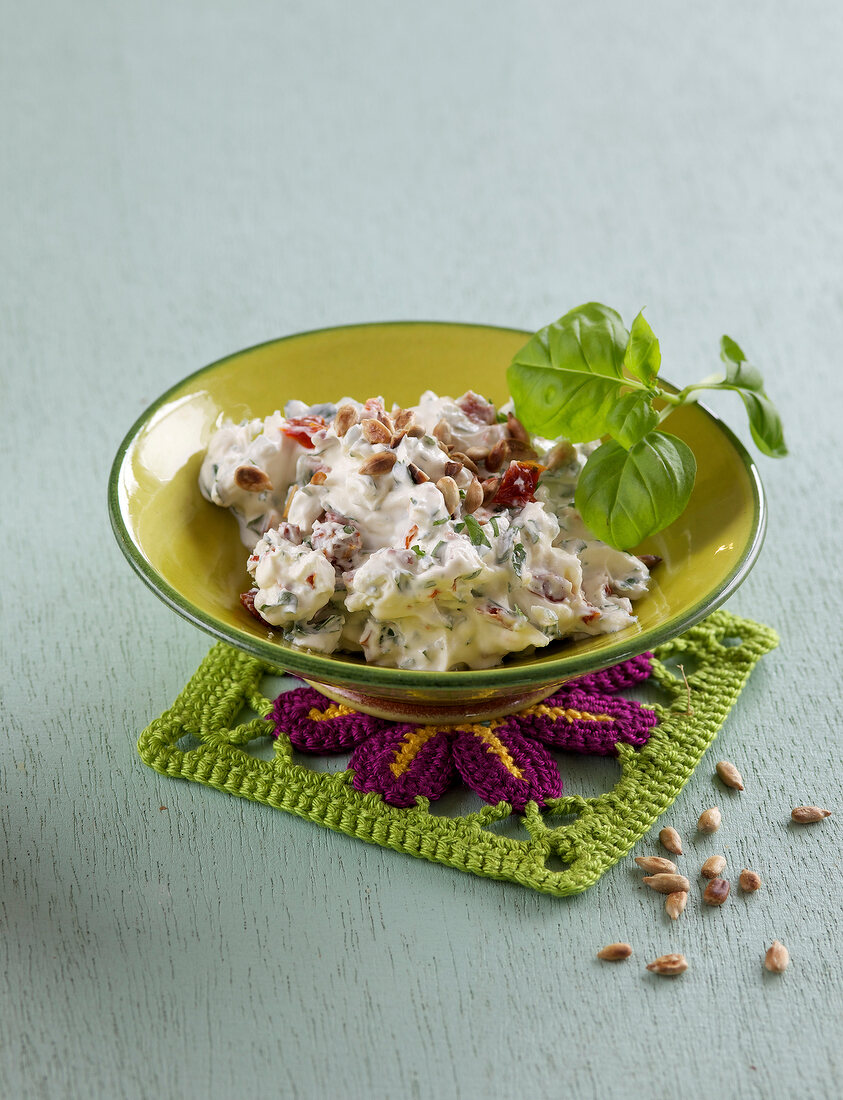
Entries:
{"x":435,"y":537}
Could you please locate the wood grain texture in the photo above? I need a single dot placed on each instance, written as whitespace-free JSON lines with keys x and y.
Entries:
{"x":180,"y":181}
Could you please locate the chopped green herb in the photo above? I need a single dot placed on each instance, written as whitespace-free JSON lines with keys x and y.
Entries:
{"x":476,"y":532}
{"x":493,"y":520}
{"x":417,"y":550}
{"x":459,"y":527}
{"x":437,"y":547}
{"x":348,"y":530}
{"x":439,"y":522}
{"x":518,"y":555}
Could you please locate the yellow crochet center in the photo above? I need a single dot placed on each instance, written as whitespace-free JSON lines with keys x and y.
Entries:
{"x":568,"y":713}
{"x":413,"y":741}
{"x":497,"y":748}
{"x":335,"y":710}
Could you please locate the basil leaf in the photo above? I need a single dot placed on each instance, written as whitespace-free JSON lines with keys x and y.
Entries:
{"x":625,"y":495}
{"x":739,"y":372}
{"x":476,"y":532}
{"x":643,"y":356}
{"x":765,"y":423}
{"x":567,"y":377}
{"x":632,"y":417}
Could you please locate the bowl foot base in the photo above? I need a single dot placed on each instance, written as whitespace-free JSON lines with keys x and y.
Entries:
{"x":424,"y":712}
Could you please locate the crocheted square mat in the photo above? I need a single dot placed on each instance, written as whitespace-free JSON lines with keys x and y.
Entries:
{"x":394,"y":771}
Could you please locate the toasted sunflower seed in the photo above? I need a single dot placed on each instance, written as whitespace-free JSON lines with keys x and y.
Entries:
{"x":495,"y":457}
{"x":375,"y":432}
{"x":458,"y":456}
{"x":675,"y":903}
{"x":403,"y":419}
{"x":750,"y":881}
{"x":452,"y":468}
{"x":477,"y":454}
{"x":656,"y":864}
{"x":418,"y":475}
{"x":713,"y":867}
{"x":667,"y":884}
{"x":346,"y":416}
{"x":614,"y":952}
{"x":449,"y":490}
{"x":777,"y":958}
{"x":517,"y":429}
{"x":473,"y":496}
{"x":490,"y":489}
{"x":442,"y":432}
{"x":729,"y":775}
{"x":560,"y":455}
{"x":709,"y":821}
{"x":668,"y":964}
{"x":717,"y":891}
{"x":251,"y":479}
{"x":416,"y":431}
{"x":381,"y":462}
{"x":671,"y":840}
{"x":804,"y":815}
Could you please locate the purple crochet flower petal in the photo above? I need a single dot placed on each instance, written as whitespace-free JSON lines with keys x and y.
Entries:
{"x":615,"y":678}
{"x":402,"y":762}
{"x":580,"y":721}
{"x":315,"y":724}
{"x":502,"y":766}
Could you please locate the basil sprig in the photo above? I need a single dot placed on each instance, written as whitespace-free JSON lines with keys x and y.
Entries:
{"x":585,"y":377}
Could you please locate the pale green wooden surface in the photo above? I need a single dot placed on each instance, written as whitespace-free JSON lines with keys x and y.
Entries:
{"x":181,"y":180}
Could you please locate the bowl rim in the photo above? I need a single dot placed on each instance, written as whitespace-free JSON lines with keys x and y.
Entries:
{"x":326,"y":668}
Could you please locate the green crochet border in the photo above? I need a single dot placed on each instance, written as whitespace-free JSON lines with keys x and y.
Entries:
{"x":603,"y":831}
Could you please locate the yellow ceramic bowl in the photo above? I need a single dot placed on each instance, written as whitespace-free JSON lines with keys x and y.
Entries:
{"x":189,"y":552}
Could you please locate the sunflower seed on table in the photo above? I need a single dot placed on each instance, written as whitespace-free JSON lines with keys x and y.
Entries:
{"x":709,"y":820}
{"x":713,"y":866}
{"x":614,"y":952}
{"x":667,"y":884}
{"x":675,"y":903}
{"x":251,"y":479}
{"x":729,"y":775}
{"x":777,"y":958}
{"x":669,"y":965}
{"x":717,"y":891}
{"x":805,"y":815}
{"x":654,"y":865}
{"x":749,"y":881}
{"x":381,"y":462}
{"x":671,"y":840}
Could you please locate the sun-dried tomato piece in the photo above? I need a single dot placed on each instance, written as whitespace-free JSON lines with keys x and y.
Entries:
{"x":303,"y":428}
{"x":248,"y":601}
{"x":477,"y":408}
{"x":518,"y":484}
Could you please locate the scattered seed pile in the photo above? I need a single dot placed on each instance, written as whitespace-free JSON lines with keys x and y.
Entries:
{"x":664,"y":877}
